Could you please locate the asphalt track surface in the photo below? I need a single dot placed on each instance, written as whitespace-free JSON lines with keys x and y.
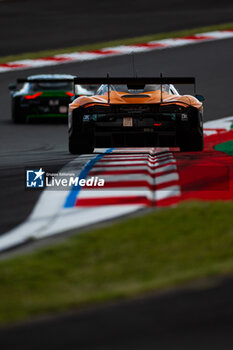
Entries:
{"x":27,"y":26}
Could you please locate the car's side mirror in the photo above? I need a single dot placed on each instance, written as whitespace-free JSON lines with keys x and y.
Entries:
{"x":200,"y":98}
{"x":12,"y":86}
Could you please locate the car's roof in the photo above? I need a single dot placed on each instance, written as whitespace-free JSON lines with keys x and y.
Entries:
{"x":50,"y":76}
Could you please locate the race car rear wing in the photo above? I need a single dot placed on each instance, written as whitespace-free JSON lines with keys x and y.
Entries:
{"x":135,"y":82}
{"x":26,"y":80}
{"x":13,"y":86}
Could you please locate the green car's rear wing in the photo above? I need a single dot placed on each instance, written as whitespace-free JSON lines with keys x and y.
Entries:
{"x":26,"y":80}
{"x":45,"y":81}
{"x":13,"y":86}
{"x":141,"y":81}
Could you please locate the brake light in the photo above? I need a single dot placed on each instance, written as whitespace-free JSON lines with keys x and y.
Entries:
{"x":157,"y":124}
{"x":69,"y":94}
{"x":31,"y":97}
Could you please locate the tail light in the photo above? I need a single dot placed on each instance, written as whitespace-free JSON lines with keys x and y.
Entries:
{"x":69,"y":94}
{"x":31,"y":97}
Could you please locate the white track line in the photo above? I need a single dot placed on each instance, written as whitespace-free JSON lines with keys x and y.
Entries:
{"x":115,"y":51}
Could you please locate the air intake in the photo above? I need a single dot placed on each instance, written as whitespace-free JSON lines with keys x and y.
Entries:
{"x":135,"y":96}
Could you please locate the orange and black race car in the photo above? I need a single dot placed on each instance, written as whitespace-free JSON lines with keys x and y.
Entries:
{"x":135,"y":112}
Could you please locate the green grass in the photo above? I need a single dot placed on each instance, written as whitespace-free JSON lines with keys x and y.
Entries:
{"x":139,"y":255}
{"x":128,"y":41}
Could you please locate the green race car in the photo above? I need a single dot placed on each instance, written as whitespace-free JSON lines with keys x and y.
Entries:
{"x":43,"y":96}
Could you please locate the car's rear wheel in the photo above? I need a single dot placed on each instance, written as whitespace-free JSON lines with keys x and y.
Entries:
{"x":17,"y":116}
{"x":82,"y":144}
{"x":81,"y":141}
{"x":19,"y":119}
{"x":192,"y":142}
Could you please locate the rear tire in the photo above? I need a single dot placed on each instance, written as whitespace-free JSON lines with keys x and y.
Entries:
{"x":81,"y":145}
{"x":17,"y":116}
{"x":81,"y":141}
{"x":19,"y":119}
{"x":192,"y":143}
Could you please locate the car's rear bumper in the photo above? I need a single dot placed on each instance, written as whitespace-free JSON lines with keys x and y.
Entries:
{"x":133,"y":129}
